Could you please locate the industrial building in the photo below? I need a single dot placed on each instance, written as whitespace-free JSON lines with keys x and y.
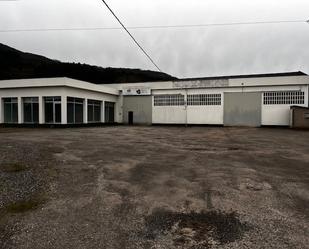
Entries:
{"x":245,"y":100}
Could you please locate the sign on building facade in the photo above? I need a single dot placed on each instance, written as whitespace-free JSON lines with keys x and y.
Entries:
{"x":201,"y":84}
{"x":136,"y":91}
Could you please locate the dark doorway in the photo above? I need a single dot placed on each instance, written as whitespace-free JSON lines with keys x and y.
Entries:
{"x":130,"y":118}
{"x":109,"y":112}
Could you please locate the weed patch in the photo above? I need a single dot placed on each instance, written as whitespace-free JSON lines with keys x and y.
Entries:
{"x":13,"y":167}
{"x":24,"y":206}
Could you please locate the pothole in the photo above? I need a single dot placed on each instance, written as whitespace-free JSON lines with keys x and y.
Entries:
{"x":195,"y":230}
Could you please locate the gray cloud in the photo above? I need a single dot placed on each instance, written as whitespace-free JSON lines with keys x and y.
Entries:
{"x":181,"y":52}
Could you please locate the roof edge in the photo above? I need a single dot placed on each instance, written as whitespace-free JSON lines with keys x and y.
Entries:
{"x":284,"y":74}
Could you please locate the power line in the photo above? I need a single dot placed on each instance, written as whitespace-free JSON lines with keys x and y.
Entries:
{"x":152,"y":27}
{"x":136,"y":42}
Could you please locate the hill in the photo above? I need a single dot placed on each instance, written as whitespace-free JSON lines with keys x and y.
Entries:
{"x":15,"y":64}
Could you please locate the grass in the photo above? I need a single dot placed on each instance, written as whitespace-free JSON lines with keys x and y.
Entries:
{"x":24,"y":206}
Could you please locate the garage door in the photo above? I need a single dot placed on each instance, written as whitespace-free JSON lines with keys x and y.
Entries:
{"x":242,"y":109}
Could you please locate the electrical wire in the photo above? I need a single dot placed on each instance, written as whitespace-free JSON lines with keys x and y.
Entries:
{"x":151,"y":27}
{"x":136,"y":42}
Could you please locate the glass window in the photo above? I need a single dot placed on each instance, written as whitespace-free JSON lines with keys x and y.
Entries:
{"x":169,"y":100}
{"x":204,"y":99}
{"x":10,"y":109}
{"x":52,"y":110}
{"x":284,"y":98}
{"x":70,"y":112}
{"x":79,"y":113}
{"x":49,"y":113}
{"x":97,"y":113}
{"x":109,"y":112}
{"x":90,"y":113}
{"x":58,"y":112}
{"x":31,"y":110}
{"x":75,"y":110}
{"x":94,"y":111}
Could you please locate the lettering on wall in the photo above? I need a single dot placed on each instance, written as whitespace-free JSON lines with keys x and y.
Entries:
{"x":201,"y":84}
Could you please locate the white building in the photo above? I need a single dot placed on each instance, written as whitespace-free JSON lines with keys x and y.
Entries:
{"x":251,"y":100}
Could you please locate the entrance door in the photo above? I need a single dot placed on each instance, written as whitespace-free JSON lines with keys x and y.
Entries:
{"x":109,"y":112}
{"x":130,"y":118}
{"x":242,"y":109}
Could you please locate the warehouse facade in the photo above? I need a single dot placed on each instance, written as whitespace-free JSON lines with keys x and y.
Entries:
{"x":249,"y":100}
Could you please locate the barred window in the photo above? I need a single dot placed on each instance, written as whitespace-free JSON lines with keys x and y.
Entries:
{"x":284,"y":98}
{"x":204,"y":99}
{"x":169,"y":100}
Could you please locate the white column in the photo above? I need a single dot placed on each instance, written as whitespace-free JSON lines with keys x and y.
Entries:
{"x":63,"y":109}
{"x":119,"y":109}
{"x":41,"y":110}
{"x":20,"y":110}
{"x":102,"y":112}
{"x":85,"y":111}
{"x":1,"y":111}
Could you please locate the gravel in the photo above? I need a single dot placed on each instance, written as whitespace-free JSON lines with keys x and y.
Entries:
{"x":154,"y":187}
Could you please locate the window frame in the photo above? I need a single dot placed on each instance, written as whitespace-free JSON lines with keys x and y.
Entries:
{"x":12,"y":102}
{"x":54,"y":100}
{"x":31,"y":101}
{"x":75,"y":102}
{"x":92,"y":104}
{"x":284,"y":98}
{"x":172,"y":100}
{"x":204,"y":99}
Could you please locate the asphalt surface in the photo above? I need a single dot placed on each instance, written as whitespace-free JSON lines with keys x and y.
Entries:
{"x":154,"y":187}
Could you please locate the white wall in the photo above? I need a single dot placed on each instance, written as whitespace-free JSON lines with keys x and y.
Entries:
{"x":280,"y":114}
{"x":168,"y":114}
{"x":259,"y":81}
{"x":190,"y":114}
{"x":212,"y":115}
{"x":270,"y":81}
{"x":271,"y":114}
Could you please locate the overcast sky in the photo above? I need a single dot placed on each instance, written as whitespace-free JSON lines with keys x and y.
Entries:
{"x":192,"y":52}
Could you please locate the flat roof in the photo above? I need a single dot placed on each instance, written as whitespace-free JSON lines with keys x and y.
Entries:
{"x":57,"y":82}
{"x":224,"y":77}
